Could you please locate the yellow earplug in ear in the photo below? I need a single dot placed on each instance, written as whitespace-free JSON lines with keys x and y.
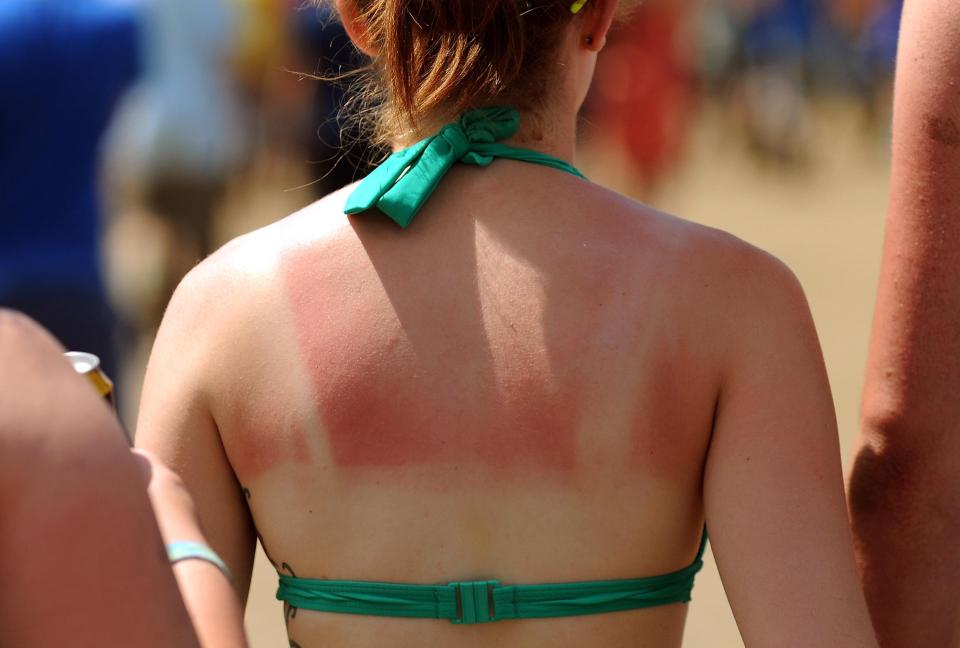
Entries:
{"x":577,"y":6}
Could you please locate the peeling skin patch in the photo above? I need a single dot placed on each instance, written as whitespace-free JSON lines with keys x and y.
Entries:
{"x":942,"y":129}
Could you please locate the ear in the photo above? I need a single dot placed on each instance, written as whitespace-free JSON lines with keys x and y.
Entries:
{"x":597,"y":19}
{"x":355,"y":26}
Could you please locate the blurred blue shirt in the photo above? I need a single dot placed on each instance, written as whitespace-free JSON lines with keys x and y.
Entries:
{"x":780,"y":29}
{"x":883,"y":34}
{"x":63,"y":66}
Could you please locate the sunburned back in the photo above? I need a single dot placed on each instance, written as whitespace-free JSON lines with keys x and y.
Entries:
{"x":521,"y":387}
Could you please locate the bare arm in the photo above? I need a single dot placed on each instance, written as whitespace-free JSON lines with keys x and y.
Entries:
{"x":208,"y":593}
{"x":773,"y":486}
{"x":81,"y":557}
{"x":904,"y":492}
{"x":176,"y":424}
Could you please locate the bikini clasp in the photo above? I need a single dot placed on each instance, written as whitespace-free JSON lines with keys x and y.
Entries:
{"x":474,"y":602}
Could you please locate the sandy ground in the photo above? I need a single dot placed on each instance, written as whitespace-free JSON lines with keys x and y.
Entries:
{"x":825,"y":222}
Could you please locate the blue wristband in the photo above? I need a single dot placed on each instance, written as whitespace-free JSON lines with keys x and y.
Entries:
{"x":189,"y":550}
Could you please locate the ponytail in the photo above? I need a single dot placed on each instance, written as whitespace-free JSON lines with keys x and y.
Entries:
{"x":438,"y":58}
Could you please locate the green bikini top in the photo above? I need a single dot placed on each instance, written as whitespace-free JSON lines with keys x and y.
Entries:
{"x":402,"y":184}
{"x":472,"y":602}
{"x":399,"y":188}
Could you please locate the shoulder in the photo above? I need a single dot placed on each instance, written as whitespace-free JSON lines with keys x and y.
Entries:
{"x":744,"y":285}
{"x":724,"y":293}
{"x":239,"y":278}
{"x":751,"y":305}
{"x":701,"y":257}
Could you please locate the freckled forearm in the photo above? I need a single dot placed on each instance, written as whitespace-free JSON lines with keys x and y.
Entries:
{"x":904,"y":496}
{"x":913,"y":374}
{"x":926,"y":138}
{"x":913,"y":371}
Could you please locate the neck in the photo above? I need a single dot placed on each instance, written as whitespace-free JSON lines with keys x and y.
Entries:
{"x":552,"y":132}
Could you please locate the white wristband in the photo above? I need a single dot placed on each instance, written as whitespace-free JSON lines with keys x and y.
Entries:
{"x":189,"y":550}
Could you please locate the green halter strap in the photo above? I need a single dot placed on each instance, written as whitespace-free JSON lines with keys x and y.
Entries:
{"x":402,"y":184}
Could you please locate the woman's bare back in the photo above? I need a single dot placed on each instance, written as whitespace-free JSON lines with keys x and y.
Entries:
{"x":520,"y":387}
{"x":538,"y":382}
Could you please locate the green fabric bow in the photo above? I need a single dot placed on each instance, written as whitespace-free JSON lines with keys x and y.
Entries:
{"x":402,"y":184}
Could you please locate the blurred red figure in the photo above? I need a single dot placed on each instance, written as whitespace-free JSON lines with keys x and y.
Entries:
{"x":643,"y":91}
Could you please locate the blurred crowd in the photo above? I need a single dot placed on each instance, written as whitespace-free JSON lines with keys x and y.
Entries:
{"x":120,"y":115}
{"x":763,"y":61}
{"x":131,"y":121}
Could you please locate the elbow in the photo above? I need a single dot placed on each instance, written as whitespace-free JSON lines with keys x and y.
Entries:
{"x":879,"y":476}
{"x":908,"y":463}
{"x":908,"y":426}
{"x":889,"y":460}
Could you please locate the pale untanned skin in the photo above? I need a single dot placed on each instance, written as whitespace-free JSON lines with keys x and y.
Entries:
{"x":904,"y":492}
{"x":540,"y":381}
{"x":80,"y":553}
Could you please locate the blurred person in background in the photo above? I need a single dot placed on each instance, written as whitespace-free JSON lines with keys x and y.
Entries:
{"x":265,"y":58}
{"x":643,"y":96}
{"x":182,"y":134}
{"x":769,"y":61}
{"x":63,"y":67}
{"x":718,"y":26}
{"x":773,"y":90}
{"x":259,"y":40}
{"x":876,"y":44}
{"x":853,"y":50}
{"x":881,"y":33}
{"x":904,"y":489}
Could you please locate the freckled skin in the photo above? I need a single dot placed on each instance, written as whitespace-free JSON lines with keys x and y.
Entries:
{"x":904,"y":495}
